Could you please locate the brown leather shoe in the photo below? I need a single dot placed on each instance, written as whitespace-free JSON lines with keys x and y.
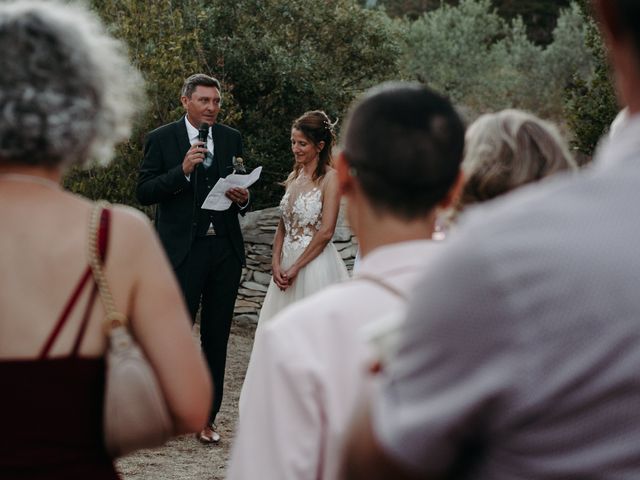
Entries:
{"x":208,"y":435}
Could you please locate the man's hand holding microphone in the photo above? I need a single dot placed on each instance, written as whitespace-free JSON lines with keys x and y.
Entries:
{"x":197,"y":152}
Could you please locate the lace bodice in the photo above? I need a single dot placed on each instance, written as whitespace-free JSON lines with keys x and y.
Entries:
{"x":301,"y":211}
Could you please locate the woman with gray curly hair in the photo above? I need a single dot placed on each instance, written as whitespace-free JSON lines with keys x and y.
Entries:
{"x":504,"y":151}
{"x":508,"y":149}
{"x":67,"y":95}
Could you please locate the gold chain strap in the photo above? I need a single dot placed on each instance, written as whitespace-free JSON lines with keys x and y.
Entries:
{"x":113,"y":318}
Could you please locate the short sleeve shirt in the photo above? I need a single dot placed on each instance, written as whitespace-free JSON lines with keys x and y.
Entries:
{"x":522,"y":358}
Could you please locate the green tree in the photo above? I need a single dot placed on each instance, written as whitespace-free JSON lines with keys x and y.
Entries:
{"x":411,"y":9}
{"x":591,"y":104}
{"x":539,"y":16}
{"x":166,"y":50}
{"x":275,"y":58}
{"x":284,"y":58}
{"x":485,"y":63}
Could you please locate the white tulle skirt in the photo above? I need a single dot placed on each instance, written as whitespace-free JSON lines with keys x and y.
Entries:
{"x":324,"y":270}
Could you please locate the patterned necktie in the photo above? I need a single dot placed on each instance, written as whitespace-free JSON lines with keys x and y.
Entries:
{"x":208,"y":159}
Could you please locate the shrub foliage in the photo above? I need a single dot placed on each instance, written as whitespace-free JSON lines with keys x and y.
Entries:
{"x":275,"y":59}
{"x":591,"y":104}
{"x":485,"y":63}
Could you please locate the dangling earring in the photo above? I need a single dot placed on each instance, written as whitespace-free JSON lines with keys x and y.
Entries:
{"x":444,"y":219}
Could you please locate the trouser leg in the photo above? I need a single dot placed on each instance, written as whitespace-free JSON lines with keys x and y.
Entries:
{"x":218,"y":302}
{"x":192,"y":274}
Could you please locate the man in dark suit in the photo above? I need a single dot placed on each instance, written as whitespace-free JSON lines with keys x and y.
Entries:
{"x":205,"y":247}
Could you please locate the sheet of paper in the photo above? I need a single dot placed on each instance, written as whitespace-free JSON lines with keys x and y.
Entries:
{"x":217,"y":200}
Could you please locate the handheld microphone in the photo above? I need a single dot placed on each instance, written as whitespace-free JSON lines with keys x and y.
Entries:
{"x":203,"y":133}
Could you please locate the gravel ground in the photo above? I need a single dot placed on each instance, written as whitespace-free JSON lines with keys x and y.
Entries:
{"x":184,"y":457}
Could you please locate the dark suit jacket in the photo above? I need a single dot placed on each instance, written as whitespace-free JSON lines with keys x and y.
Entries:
{"x":161,"y":181}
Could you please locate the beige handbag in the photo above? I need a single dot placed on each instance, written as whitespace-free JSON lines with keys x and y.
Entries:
{"x":135,"y":412}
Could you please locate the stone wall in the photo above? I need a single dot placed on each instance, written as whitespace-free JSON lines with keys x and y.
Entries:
{"x":259,"y":228}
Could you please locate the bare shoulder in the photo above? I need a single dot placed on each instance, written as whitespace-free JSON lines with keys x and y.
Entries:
{"x":132,"y":223}
{"x":130,"y":216}
{"x":330,"y":177}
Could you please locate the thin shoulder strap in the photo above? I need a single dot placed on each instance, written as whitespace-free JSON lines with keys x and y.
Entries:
{"x":62,"y":319}
{"x":85,"y":321}
{"x":64,"y":316}
{"x":381,"y":283}
{"x":103,"y":242}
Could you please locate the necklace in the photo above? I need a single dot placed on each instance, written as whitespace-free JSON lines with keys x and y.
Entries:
{"x":21,"y":177}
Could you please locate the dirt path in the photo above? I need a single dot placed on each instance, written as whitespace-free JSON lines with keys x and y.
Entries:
{"x":186,"y":458}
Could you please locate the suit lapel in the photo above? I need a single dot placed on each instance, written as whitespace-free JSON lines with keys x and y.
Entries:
{"x":219,"y":148}
{"x":182,"y":137}
{"x":184,"y":144}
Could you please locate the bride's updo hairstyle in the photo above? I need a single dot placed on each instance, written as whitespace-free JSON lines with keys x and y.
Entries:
{"x":316,"y":127}
{"x":67,"y":90}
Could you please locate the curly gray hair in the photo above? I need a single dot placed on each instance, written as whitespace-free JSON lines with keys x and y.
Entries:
{"x":67,"y":90}
{"x":507,"y":149}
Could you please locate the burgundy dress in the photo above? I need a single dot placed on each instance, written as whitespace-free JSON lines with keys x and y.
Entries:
{"x":51,"y":408}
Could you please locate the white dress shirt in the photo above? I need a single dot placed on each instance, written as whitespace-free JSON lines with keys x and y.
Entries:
{"x":193,"y":134}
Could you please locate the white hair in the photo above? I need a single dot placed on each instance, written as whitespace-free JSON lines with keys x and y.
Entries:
{"x":508,"y":149}
{"x":67,"y":90}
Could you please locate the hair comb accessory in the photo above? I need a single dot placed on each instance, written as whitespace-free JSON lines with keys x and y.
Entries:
{"x":330,"y":126}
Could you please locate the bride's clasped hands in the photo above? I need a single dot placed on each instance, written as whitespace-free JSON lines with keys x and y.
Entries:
{"x":283,"y":279}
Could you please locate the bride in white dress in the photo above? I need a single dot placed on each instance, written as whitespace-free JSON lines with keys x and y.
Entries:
{"x":304,"y":260}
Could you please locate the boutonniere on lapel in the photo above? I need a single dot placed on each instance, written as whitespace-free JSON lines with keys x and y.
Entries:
{"x":238,"y":165}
